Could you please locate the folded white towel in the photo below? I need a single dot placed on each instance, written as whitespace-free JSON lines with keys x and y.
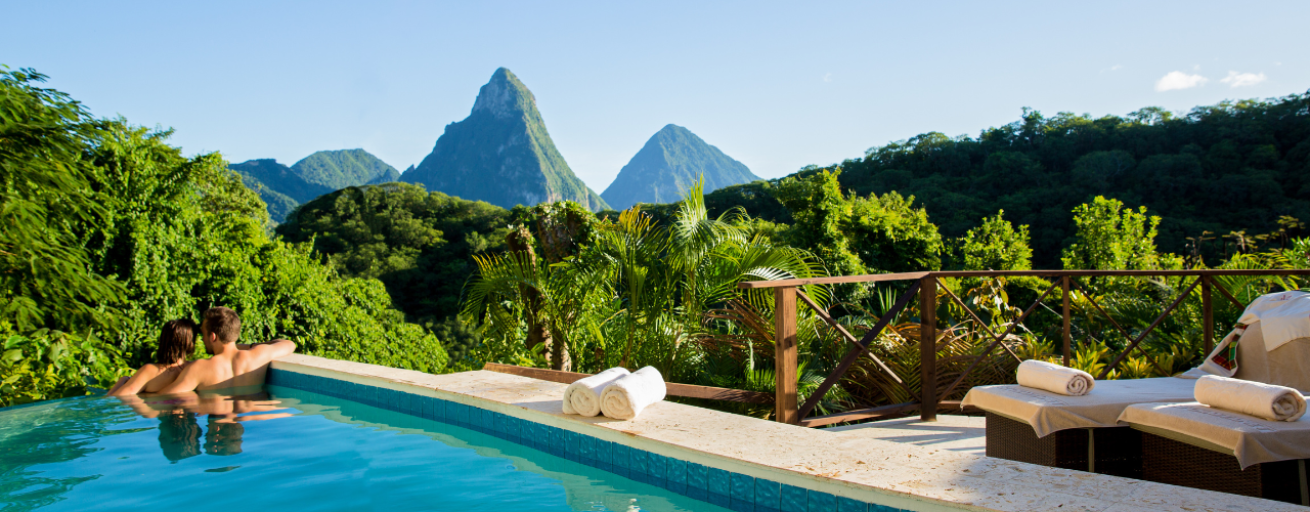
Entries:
{"x":1054,"y":378}
{"x":1267,"y":401}
{"x":583,"y":396}
{"x":628,"y":396}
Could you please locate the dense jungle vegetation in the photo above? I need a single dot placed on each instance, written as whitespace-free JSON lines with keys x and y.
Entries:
{"x":109,"y":231}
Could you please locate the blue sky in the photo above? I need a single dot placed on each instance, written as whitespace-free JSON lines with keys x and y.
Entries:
{"x":775,"y":85}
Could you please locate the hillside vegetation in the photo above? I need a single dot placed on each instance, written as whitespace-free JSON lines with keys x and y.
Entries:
{"x":109,"y":232}
{"x":1230,"y":170}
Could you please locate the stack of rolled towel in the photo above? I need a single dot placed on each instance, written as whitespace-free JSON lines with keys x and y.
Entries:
{"x":615,"y":393}
{"x":1054,"y":378}
{"x":1266,"y":401}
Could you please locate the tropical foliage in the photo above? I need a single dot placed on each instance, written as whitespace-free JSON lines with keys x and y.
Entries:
{"x":109,"y":232}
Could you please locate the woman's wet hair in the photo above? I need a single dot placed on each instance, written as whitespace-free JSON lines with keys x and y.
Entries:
{"x":176,"y":341}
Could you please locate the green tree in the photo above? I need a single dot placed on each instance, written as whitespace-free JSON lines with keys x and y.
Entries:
{"x":996,"y":245}
{"x":1111,"y":237}
{"x":45,"y":190}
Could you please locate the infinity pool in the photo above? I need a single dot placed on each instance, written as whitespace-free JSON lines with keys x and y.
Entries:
{"x":285,"y":449}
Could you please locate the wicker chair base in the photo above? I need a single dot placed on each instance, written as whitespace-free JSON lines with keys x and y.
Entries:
{"x":1113,"y":451}
{"x":1173,"y":462}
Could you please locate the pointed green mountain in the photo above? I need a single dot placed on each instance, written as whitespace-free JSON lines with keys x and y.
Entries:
{"x":344,"y":168}
{"x":502,"y":154}
{"x":668,"y":165}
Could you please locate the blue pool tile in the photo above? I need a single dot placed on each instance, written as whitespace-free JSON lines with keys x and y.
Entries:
{"x":697,"y":481}
{"x":541,"y":436}
{"x":850,"y":505}
{"x":412,"y":406}
{"x":641,"y":462}
{"x":389,"y":398}
{"x":874,"y":507}
{"x":586,"y":445}
{"x":430,"y":407}
{"x":488,"y":420}
{"x":717,"y":485}
{"x":718,"y":499}
{"x":441,"y":410}
{"x":464,"y":415}
{"x":793,"y":499}
{"x":677,"y":476}
{"x":604,"y":455}
{"x":557,"y":441}
{"x":516,"y":426}
{"x":399,"y":401}
{"x":572,"y":445}
{"x":659,"y":470}
{"x":622,"y":460}
{"x":822,"y":502}
{"x":717,"y":481}
{"x":476,"y":419}
{"x":768,"y":495}
{"x":528,"y":434}
{"x":742,"y":492}
{"x":504,"y":423}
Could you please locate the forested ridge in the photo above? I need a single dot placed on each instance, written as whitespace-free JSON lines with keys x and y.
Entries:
{"x":110,"y":232}
{"x":1228,"y":170}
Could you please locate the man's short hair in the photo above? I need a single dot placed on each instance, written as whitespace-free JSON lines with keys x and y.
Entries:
{"x":222,"y":322}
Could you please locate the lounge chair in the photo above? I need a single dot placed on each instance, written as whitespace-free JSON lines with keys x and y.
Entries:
{"x":1072,"y":432}
{"x":1194,"y":445}
{"x":1084,"y":432}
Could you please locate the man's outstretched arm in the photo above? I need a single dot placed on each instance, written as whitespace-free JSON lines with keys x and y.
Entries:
{"x":267,"y":352}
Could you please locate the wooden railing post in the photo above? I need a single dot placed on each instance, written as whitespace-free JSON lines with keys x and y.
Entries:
{"x":1067,"y":347}
{"x":928,"y":349}
{"x":1207,"y":314}
{"x":784,"y":354}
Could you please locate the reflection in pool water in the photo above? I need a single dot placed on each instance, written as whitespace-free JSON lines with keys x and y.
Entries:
{"x":284,"y":449}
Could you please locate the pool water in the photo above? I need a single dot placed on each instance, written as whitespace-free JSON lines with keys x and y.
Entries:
{"x":285,"y":449}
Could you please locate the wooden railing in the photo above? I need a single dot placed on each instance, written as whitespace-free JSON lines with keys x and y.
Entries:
{"x":926,"y":285}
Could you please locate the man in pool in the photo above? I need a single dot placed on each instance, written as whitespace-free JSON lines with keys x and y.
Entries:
{"x":232,"y":365}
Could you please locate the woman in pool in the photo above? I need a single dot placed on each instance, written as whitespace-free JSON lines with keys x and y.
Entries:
{"x":176,"y":342}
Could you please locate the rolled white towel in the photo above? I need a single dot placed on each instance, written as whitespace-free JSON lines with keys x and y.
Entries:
{"x":628,"y":396}
{"x":1054,"y":378}
{"x":1267,"y":401}
{"x":583,"y":396}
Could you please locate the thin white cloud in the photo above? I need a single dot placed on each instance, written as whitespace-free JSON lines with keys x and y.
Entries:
{"x":827,"y":77}
{"x":1113,"y":68}
{"x":1176,"y":80}
{"x":1235,"y":79}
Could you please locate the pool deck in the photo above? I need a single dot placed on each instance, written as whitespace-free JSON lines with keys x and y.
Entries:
{"x":900,"y":463}
{"x":951,"y":433}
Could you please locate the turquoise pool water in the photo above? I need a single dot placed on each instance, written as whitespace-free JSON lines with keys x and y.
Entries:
{"x":286,"y":449}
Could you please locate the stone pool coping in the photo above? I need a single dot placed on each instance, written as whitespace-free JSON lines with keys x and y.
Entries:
{"x":887,"y":475}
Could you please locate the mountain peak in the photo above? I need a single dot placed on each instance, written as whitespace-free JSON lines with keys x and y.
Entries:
{"x":668,"y":165}
{"x":504,"y":96}
{"x":501,"y":153}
